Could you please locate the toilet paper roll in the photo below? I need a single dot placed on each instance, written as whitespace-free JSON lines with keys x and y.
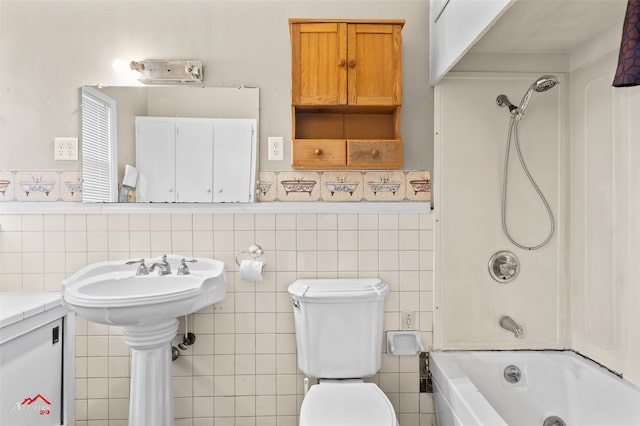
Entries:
{"x":251,"y":270}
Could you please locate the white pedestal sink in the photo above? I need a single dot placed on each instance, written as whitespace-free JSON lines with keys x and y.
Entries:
{"x":148,"y":308}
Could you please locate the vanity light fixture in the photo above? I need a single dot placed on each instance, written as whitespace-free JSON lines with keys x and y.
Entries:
{"x":165,"y":71}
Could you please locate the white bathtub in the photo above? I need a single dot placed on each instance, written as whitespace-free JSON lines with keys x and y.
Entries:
{"x":470,"y":389}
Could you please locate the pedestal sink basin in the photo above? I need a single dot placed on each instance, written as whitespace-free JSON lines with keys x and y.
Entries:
{"x":147,"y":305}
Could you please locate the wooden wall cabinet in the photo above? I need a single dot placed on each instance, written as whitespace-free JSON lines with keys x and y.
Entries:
{"x":346,"y":93}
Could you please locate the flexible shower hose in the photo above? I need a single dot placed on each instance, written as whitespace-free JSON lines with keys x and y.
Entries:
{"x":513,"y":134}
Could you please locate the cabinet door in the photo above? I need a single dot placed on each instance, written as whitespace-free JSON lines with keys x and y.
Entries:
{"x":155,"y":159}
{"x":31,"y":378}
{"x":375,"y":64}
{"x":194,"y":160}
{"x":318,"y":63}
{"x":234,"y":153}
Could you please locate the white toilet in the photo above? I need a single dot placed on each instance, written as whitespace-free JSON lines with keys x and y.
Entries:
{"x":339,"y":331}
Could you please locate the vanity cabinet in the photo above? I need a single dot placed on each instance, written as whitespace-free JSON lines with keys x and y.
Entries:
{"x":346,"y":92}
{"x":196,"y":160}
{"x":37,"y":354}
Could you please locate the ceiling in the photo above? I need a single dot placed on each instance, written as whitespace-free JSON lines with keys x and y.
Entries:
{"x":550,"y":26}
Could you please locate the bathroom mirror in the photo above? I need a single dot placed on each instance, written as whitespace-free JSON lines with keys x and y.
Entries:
{"x":116,"y":108}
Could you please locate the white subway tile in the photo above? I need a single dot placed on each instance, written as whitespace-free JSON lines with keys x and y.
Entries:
{"x":181,"y":222}
{"x":202,"y":407}
{"x":138,"y":222}
{"x":160,"y":222}
{"x":203,"y":222}
{"x":223,"y":222}
{"x":96,"y":222}
{"x":203,"y":386}
{"x":32,"y":242}
{"x":97,"y":388}
{"x":224,"y":364}
{"x":244,"y":222}
{"x":32,"y":222}
{"x":75,"y":222}
{"x":224,"y":407}
{"x":51,"y":222}
{"x":117,"y":222}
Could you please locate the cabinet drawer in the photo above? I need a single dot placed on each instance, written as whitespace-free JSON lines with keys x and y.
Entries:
{"x":374,"y":154}
{"x":318,"y":153}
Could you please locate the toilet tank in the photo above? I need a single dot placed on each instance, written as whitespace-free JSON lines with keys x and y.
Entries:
{"x":339,"y":326}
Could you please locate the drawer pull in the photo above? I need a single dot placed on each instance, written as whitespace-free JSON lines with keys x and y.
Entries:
{"x":342,"y":62}
{"x":318,"y":151}
{"x":352,"y":63}
{"x":375,"y":152}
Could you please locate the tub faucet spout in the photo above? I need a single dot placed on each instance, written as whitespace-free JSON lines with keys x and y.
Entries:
{"x":510,"y":325}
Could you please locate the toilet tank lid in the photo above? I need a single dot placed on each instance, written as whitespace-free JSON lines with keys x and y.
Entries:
{"x":337,"y":290}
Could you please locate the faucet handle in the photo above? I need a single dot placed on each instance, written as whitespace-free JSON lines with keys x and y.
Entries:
{"x":142,"y":268}
{"x":184,"y":269}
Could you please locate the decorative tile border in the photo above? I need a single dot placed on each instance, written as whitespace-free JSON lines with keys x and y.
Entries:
{"x":337,"y":186}
{"x":297,"y":186}
{"x":40,"y":185}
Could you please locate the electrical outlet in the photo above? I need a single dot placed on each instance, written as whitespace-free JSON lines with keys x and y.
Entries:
{"x":408,"y":320}
{"x":276,"y":146}
{"x":65,"y":148}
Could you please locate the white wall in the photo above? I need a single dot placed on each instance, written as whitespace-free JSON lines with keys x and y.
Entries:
{"x":605,"y":227}
{"x":51,"y":48}
{"x":471,"y":134}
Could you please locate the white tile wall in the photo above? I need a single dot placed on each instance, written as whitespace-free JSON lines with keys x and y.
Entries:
{"x":242,"y":368}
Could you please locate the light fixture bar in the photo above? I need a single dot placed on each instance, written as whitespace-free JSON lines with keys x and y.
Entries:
{"x":164,"y":71}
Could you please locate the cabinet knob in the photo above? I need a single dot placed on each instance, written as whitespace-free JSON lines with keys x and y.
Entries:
{"x":352,"y":63}
{"x":318,"y":151}
{"x":342,"y":62}
{"x":375,"y":152}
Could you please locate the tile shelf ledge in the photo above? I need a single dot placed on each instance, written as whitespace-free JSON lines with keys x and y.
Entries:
{"x":255,"y":208}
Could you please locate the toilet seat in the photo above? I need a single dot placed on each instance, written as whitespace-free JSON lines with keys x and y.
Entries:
{"x":346,"y":403}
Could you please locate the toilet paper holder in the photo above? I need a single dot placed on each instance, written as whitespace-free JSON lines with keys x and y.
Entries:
{"x":255,"y":251}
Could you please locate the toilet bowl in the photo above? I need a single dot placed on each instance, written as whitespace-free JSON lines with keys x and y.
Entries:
{"x":346,"y":403}
{"x":339,"y":330}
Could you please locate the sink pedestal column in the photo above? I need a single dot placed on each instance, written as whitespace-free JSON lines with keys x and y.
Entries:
{"x":151,"y":398}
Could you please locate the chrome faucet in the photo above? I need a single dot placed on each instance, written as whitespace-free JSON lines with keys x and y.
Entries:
{"x":183,"y":269}
{"x":142,"y":268}
{"x":510,"y":325}
{"x":163,"y":267}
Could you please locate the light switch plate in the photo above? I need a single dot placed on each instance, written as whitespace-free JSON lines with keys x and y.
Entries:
{"x":408,"y":320}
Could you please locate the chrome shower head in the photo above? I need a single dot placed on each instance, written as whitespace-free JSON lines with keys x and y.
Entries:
{"x":545,"y":83}
{"x":542,"y":84}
